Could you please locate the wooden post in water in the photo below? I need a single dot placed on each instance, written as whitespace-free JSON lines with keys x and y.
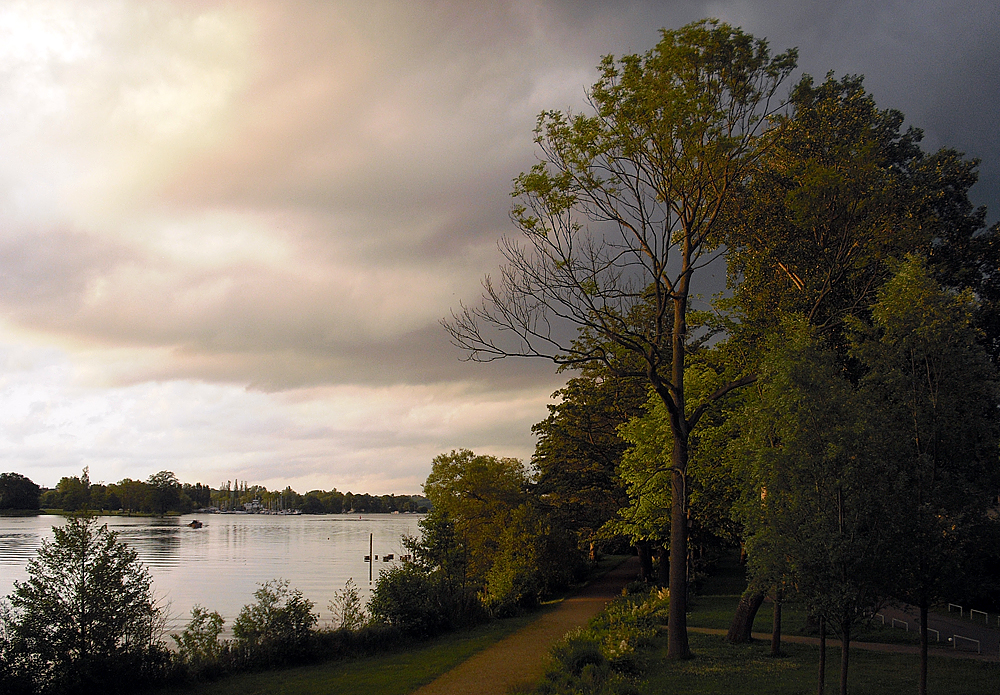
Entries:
{"x":371,"y":556}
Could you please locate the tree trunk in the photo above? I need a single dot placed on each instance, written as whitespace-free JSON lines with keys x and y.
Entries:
{"x":922,"y":684}
{"x":776,"y":626}
{"x":663,"y":566}
{"x":645,"y":560}
{"x":741,"y":629}
{"x":677,"y":638}
{"x":822,"y":656}
{"x":845,"y":653}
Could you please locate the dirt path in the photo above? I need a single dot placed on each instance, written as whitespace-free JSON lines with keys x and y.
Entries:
{"x":869,"y":646}
{"x":520,"y":658}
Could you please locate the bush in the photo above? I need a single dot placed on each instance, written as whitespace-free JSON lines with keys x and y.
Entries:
{"x":198,"y":647}
{"x":281,"y":615}
{"x":606,"y":658}
{"x":348,"y":612}
{"x":405,"y":598}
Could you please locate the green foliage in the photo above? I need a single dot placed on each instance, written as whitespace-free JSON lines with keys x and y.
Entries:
{"x":347,"y":609}
{"x":412,"y":600}
{"x":18,"y":492}
{"x":608,"y":656}
{"x":280,"y":615}
{"x":578,"y":451}
{"x":533,"y":559}
{"x":828,"y":205}
{"x":934,"y":402}
{"x":645,"y":466}
{"x":817,"y":494}
{"x":198,"y":646}
{"x":85,"y":618}
{"x":487,"y":535}
{"x":164,"y":492}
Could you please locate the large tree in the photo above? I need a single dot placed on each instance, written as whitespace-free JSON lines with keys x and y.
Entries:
{"x":18,"y":492}
{"x":616,"y":219}
{"x":841,"y":192}
{"x":821,"y":506}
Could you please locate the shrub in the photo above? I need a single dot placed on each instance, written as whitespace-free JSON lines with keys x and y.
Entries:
{"x":406,"y":598}
{"x":198,"y":647}
{"x":348,"y":612}
{"x":606,"y":658}
{"x":280,"y":614}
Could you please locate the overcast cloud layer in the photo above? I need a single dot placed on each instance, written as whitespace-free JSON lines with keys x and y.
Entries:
{"x":228,"y":230}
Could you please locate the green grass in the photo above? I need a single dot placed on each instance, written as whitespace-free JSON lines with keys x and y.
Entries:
{"x":394,"y":673}
{"x":718,"y":667}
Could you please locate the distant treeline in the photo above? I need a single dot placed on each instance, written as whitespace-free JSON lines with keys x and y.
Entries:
{"x":163,"y":492}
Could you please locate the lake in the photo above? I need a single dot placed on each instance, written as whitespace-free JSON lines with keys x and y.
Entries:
{"x":220,"y":565}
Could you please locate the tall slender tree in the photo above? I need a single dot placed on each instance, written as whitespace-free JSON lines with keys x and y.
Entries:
{"x":622,"y":211}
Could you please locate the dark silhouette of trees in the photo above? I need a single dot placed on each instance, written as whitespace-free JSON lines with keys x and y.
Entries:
{"x":579,"y":451}
{"x":18,"y":492}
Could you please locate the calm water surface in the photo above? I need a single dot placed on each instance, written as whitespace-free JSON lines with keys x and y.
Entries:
{"x":220,"y":565}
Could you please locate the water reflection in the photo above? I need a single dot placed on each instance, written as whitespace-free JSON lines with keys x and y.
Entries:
{"x":220,"y":565}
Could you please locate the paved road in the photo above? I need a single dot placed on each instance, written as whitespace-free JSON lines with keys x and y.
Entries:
{"x":521,"y":658}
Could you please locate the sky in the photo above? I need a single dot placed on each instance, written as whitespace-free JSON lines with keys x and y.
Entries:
{"x":229,"y":230}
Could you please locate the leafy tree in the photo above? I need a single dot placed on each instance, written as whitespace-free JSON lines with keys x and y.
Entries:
{"x":347,"y":609}
{"x":198,"y":646}
{"x":476,"y":494}
{"x":312,"y":504}
{"x":85,"y":619}
{"x":487,"y":539}
{"x":935,"y":402}
{"x":840,"y":192}
{"x":410,"y":598}
{"x":164,"y":492}
{"x":200,"y":495}
{"x":72,"y":494}
{"x":579,"y":450}
{"x":132,"y":494}
{"x":819,"y":493}
{"x":279,"y":616}
{"x":625,"y":207}
{"x":827,"y":205}
{"x":18,"y":492}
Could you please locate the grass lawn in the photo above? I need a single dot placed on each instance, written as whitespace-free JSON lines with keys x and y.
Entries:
{"x":394,"y":673}
{"x":718,"y":667}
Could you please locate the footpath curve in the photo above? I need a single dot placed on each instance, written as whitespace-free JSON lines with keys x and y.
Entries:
{"x":521,"y":658}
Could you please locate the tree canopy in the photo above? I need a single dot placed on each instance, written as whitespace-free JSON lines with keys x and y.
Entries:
{"x":625,"y":206}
